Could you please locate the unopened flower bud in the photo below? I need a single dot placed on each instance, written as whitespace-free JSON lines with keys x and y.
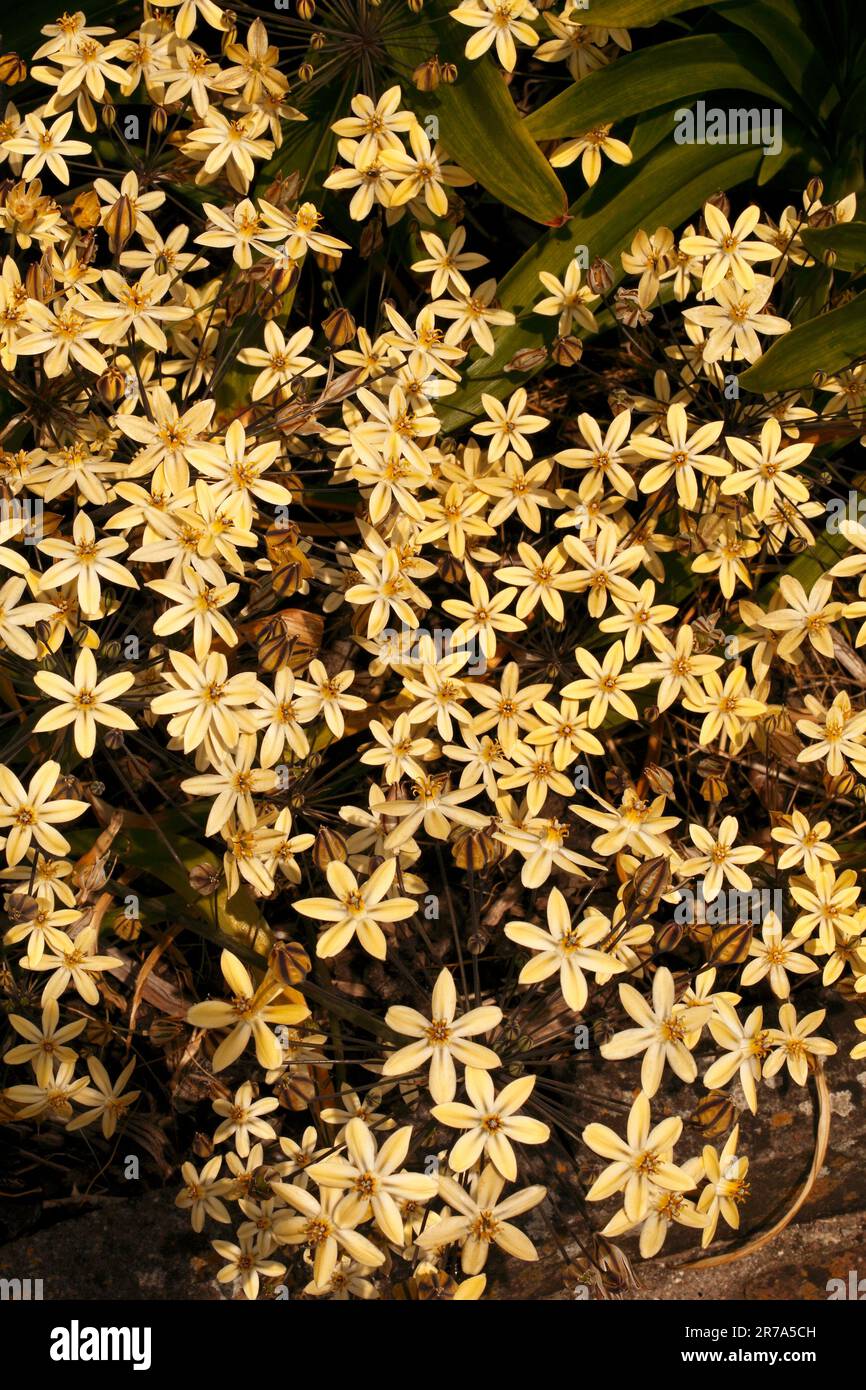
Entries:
{"x":108,"y":114}
{"x":305,"y":72}
{"x":318,"y":40}
{"x":339,"y":328}
{"x":158,"y":120}
{"x":306,"y":9}
{"x":813,"y":194}
{"x":448,"y":72}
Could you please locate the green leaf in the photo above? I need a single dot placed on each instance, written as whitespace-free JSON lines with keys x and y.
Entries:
{"x":828,"y":344}
{"x":479,"y":125}
{"x":847,"y":241}
{"x":634,"y":14}
{"x":669,"y":72}
{"x":780,"y":29}
{"x":663,"y":189}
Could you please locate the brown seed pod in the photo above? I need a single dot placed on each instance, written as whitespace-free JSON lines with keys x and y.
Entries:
{"x":650,"y":880}
{"x":567,"y":352}
{"x":475,"y":849}
{"x":729,"y":945}
{"x":339,"y":328}
{"x":119,"y":223}
{"x":288,"y":961}
{"x":669,"y":936}
{"x":527,"y":360}
{"x":86,"y":211}
{"x":329,"y":847}
{"x":12,"y":69}
{"x":427,"y":75}
{"x":713,"y":1114}
{"x":204,"y":879}
{"x":599,"y":277}
{"x":659,"y":779}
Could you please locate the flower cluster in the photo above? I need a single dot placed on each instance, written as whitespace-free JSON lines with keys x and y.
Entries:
{"x":462,"y":697}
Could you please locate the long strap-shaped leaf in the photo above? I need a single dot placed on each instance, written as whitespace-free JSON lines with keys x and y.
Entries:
{"x":847,"y":241}
{"x":635,"y":14}
{"x":674,"y":71}
{"x":479,"y":125}
{"x":828,"y":343}
{"x":664,"y":189}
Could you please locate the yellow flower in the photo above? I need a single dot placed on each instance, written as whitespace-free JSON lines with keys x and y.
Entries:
{"x":84,"y":702}
{"x":356,"y":909}
{"x":31,"y":815}
{"x":442,"y":1039}
{"x":641,"y":1159}
{"x":248,"y":1014}
{"x":589,"y":148}
{"x":571,"y":950}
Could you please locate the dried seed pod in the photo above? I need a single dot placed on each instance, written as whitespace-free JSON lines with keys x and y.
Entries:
{"x":12,"y":69}
{"x":527,"y":360}
{"x":86,"y":211}
{"x":427,"y":75}
{"x":567,"y":352}
{"x":202,"y":1145}
{"x":599,"y":277}
{"x":722,"y":202}
{"x":713,"y":1114}
{"x":669,"y":937}
{"x":729,"y":945}
{"x":39,"y":282}
{"x":119,"y":223}
{"x":329,"y":847}
{"x":204,"y":879}
{"x":475,"y":849}
{"x":339,"y":328}
{"x":659,"y":779}
{"x":288,"y":961}
{"x":648,"y":882}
